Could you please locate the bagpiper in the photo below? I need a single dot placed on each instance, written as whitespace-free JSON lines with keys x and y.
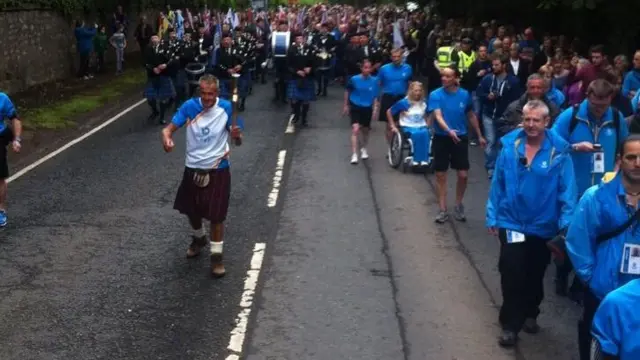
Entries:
{"x":229,"y":60}
{"x":159,"y":91}
{"x":324,"y":46}
{"x":301,"y":88}
{"x":246,"y":45}
{"x":173,"y":47}
{"x":262,"y":38}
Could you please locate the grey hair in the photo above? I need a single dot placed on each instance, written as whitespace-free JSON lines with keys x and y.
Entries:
{"x":536,"y":105}
{"x":535,"y":76}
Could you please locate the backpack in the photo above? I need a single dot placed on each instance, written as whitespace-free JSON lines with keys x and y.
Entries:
{"x":616,"y":122}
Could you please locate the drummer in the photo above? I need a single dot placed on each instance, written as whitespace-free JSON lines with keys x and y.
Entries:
{"x":280,"y":62}
{"x":228,"y":62}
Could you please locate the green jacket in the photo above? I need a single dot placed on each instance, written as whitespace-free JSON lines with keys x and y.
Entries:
{"x":100,"y":42}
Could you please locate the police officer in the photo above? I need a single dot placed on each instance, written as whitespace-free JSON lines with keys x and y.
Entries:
{"x":602,"y":240}
{"x":532,"y":197}
{"x":446,"y":54}
{"x":467,"y":57}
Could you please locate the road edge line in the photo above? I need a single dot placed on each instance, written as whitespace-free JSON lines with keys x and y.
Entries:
{"x":75,"y":141}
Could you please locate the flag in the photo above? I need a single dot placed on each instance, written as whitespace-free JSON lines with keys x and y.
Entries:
{"x":216,"y":44}
{"x":398,"y":41}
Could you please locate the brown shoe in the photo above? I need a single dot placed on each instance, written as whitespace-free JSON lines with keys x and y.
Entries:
{"x":217,"y":267}
{"x":197,"y":244}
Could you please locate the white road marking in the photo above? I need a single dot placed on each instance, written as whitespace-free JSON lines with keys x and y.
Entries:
{"x":239,"y":332}
{"x":73,"y":142}
{"x":290,"y":127}
{"x":272,"y":200}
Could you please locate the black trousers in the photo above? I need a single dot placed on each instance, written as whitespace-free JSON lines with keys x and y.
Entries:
{"x":322,"y":77}
{"x":84,"y":65}
{"x":522,"y":267}
{"x":589,"y":307}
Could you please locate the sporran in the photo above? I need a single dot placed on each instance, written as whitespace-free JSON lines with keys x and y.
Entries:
{"x":201,"y":178}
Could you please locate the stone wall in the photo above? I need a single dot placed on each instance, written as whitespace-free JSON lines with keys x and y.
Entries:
{"x":38,"y":46}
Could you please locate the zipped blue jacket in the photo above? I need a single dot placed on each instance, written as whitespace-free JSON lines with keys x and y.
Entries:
{"x":602,"y":209}
{"x":536,"y":199}
{"x":616,"y":323}
{"x":596,"y":132}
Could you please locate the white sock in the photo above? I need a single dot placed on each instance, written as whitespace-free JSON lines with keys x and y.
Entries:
{"x":216,"y":247}
{"x":199,"y":233}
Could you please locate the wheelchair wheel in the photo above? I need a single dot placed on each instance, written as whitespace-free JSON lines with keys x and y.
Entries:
{"x":395,"y":150}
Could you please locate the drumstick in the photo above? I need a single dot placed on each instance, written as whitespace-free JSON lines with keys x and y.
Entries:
{"x":234,"y":104}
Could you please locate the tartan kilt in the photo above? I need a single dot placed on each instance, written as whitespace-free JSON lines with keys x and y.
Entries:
{"x":305,"y":93}
{"x":159,"y":88}
{"x":211,"y":202}
{"x":225,"y":90}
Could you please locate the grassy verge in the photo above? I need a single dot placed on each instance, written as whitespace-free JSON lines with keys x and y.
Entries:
{"x":62,"y":115}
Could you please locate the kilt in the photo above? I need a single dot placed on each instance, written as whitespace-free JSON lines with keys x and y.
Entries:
{"x":226,"y":91}
{"x":159,"y":88}
{"x":305,"y":93}
{"x":211,"y":202}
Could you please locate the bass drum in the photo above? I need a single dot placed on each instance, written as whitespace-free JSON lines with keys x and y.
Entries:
{"x":194,"y":72}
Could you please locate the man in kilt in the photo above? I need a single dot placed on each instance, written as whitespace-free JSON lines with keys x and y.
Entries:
{"x":205,"y":188}
{"x":301,"y":87}
{"x":245,"y":44}
{"x":175,"y":70}
{"x":229,"y":61}
{"x":159,"y":91}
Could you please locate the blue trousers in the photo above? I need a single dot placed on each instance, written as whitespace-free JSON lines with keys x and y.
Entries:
{"x":421,"y":140}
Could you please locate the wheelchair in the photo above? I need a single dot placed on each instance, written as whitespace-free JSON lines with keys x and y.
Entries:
{"x":400,"y":144}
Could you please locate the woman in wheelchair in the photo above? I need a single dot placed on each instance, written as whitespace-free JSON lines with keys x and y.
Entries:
{"x":413,"y":122}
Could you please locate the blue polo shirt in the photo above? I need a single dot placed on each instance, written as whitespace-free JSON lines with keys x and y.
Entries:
{"x":454,"y":107}
{"x":395,"y":79}
{"x":7,"y":110}
{"x":363,"y":91}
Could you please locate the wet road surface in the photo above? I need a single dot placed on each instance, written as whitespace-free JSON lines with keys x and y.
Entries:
{"x":92,"y":263}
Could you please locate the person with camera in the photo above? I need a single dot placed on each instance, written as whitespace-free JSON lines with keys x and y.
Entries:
{"x":602,"y":237}
{"x":532,"y":196}
{"x":595,"y":130}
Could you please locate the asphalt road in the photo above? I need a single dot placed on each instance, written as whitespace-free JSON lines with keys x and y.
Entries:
{"x":93,"y":261}
{"x":92,"y":264}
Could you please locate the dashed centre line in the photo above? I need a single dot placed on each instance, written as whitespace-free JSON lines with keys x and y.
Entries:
{"x":238,"y":334}
{"x":272,"y":200}
{"x":290,"y":127}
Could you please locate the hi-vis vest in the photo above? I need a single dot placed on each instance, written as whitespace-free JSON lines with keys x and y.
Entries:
{"x":465,"y":61}
{"x":443,"y":55}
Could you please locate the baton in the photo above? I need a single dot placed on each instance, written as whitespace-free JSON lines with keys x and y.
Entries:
{"x":234,"y":104}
